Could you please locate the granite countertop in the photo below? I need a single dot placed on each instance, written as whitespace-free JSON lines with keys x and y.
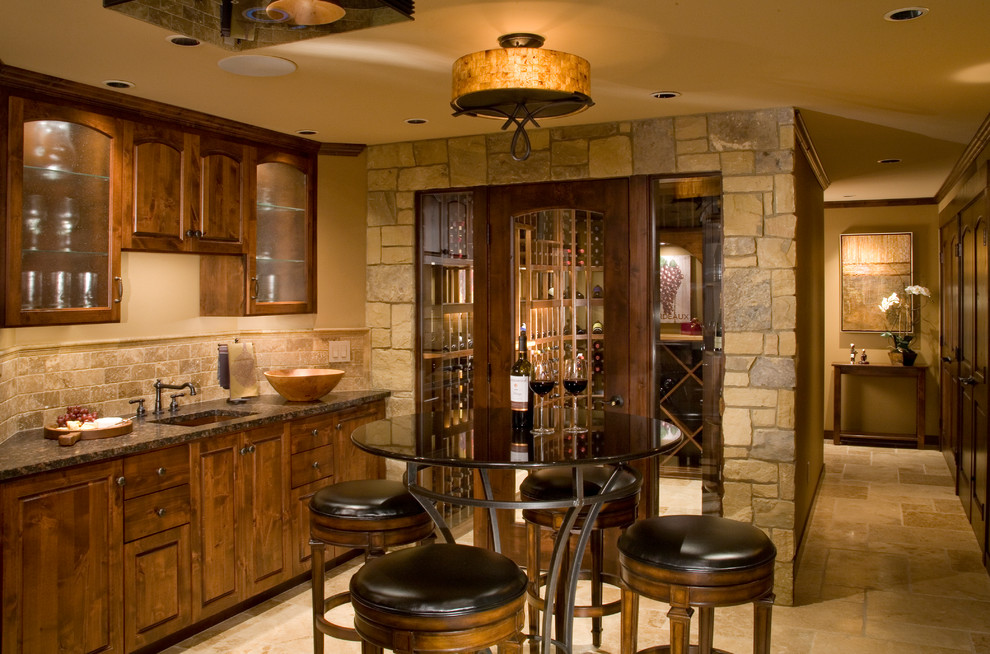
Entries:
{"x":29,"y":452}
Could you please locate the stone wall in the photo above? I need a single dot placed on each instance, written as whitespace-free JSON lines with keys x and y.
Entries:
{"x":38,"y":382}
{"x":754,"y":152}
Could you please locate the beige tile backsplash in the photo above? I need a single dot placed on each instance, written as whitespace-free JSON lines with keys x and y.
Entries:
{"x":37,"y":383}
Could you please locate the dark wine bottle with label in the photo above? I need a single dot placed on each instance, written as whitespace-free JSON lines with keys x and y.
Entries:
{"x":520,"y":395}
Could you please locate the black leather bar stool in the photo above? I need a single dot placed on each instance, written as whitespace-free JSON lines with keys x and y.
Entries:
{"x":696,"y":561}
{"x":439,"y":598}
{"x":370,"y":514}
{"x":556,"y":484}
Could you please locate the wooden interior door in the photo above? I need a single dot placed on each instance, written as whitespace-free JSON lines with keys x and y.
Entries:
{"x":949,"y":258}
{"x":610,"y":200}
{"x":972,"y":380}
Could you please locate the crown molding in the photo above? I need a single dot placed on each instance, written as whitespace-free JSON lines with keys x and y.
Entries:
{"x":803,"y":139}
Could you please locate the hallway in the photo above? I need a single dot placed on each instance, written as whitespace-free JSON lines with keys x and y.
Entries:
{"x":891,"y":566}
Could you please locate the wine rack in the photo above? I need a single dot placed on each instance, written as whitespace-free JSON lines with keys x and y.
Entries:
{"x":560,"y":297}
{"x":446,"y":331}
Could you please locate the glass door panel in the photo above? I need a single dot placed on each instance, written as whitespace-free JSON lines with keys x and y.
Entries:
{"x":687,"y":316}
{"x":65,"y":217}
{"x":282,"y":269}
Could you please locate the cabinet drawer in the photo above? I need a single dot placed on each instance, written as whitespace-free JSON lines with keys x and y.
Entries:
{"x":312,"y":465}
{"x":155,"y":512}
{"x":155,"y":471}
{"x":310,"y":433}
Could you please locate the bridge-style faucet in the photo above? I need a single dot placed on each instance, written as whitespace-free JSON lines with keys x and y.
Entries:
{"x":159,"y":385}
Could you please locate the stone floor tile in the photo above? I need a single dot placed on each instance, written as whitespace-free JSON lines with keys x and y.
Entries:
{"x":829,"y":643}
{"x":927,"y":610}
{"x":857,"y":472}
{"x":981,"y":643}
{"x":868,"y":511}
{"x":931,"y":520}
{"x":873,"y":570}
{"x":954,"y":639}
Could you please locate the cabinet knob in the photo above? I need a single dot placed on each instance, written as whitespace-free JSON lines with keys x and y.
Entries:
{"x":316,"y":432}
{"x":316,"y":464}
{"x":161,"y":472}
{"x":121,"y":481}
{"x":160,"y":512}
{"x":340,"y":426}
{"x":251,"y":449}
{"x":244,"y":450}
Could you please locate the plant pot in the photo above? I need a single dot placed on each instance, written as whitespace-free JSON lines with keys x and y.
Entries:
{"x":896,"y":357}
{"x":908,"y":357}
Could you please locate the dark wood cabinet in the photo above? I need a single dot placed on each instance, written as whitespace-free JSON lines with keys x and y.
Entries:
{"x":186,"y":192}
{"x":62,"y":215}
{"x":118,"y":555}
{"x":62,"y":583}
{"x":278,"y":274}
{"x":239,"y":493}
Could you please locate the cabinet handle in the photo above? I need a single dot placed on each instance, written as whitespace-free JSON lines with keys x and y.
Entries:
{"x":247,"y":449}
{"x":316,"y":465}
{"x":316,"y":432}
{"x":120,"y":289}
{"x":121,"y":481}
{"x":194,"y":233}
{"x":161,"y":472}
{"x":160,"y":512}
{"x":257,"y":289}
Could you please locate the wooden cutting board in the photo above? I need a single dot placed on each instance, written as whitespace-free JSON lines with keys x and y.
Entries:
{"x":66,"y":436}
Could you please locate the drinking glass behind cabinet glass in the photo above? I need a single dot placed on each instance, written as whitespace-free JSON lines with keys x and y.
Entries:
{"x":575,"y":383}
{"x":542,"y":382}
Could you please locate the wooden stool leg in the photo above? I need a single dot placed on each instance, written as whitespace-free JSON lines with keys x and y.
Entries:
{"x":317,"y":563}
{"x":679,"y":617}
{"x":706,"y":629}
{"x":566,"y":561}
{"x":597,"y":561}
{"x":533,"y":574}
{"x":629,"y":621}
{"x":368,"y":648}
{"x":761,"y":628}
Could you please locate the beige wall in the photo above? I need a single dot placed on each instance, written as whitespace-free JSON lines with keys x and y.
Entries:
{"x":886,"y":406}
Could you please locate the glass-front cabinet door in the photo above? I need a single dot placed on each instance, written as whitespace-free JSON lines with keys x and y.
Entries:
{"x":281,"y":266}
{"x":63,"y":254}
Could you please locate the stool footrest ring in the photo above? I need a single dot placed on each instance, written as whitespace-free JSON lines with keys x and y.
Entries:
{"x":580,"y":611}
{"x":331,"y":629}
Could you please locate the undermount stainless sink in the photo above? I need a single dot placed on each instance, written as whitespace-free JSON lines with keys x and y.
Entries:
{"x":203,"y":418}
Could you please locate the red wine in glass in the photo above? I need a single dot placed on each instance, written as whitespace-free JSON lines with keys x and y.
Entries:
{"x":542,"y":382}
{"x":575,"y":383}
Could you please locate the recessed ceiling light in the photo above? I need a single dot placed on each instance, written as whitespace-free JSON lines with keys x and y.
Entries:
{"x":416,"y":121}
{"x":257,"y":65}
{"x":888,"y":161}
{"x":118,"y":84}
{"x":182,"y":41}
{"x":306,"y":132}
{"x":664,"y":95}
{"x":907,"y":13}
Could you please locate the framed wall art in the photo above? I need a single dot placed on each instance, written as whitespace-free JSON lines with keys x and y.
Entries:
{"x":872,"y":266}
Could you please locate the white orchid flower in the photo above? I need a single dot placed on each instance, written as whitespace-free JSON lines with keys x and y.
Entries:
{"x":918,"y":290}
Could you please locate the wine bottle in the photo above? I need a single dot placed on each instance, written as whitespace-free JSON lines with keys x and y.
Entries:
{"x":520,"y":396}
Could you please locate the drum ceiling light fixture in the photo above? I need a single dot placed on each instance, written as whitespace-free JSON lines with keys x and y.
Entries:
{"x":520,"y":83}
{"x":305,"y":12}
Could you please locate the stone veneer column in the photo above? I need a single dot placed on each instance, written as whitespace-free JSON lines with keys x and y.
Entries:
{"x":753,"y":151}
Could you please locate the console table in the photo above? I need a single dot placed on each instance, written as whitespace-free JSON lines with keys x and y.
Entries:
{"x":881,"y":370}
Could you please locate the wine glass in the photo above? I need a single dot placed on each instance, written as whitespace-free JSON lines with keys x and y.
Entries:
{"x":541,"y":383}
{"x":575,"y":382}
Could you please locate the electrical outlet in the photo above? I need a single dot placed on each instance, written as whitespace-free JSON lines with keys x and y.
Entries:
{"x":340,"y":352}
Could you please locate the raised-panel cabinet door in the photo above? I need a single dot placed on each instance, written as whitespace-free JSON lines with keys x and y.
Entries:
{"x":156,"y":587}
{"x":155,"y":213}
{"x":263,"y":490}
{"x":223,"y":196}
{"x":62,"y":562}
{"x":349,"y":461}
{"x":217,"y":584}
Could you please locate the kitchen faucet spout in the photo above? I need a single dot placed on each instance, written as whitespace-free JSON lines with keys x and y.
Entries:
{"x":159,"y":385}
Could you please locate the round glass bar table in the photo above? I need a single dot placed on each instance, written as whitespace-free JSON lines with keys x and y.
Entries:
{"x":487,"y":443}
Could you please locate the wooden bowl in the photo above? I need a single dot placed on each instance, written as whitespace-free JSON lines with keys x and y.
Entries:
{"x":303,"y":384}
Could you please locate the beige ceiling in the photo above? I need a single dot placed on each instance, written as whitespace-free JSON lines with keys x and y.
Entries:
{"x":869,"y":89}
